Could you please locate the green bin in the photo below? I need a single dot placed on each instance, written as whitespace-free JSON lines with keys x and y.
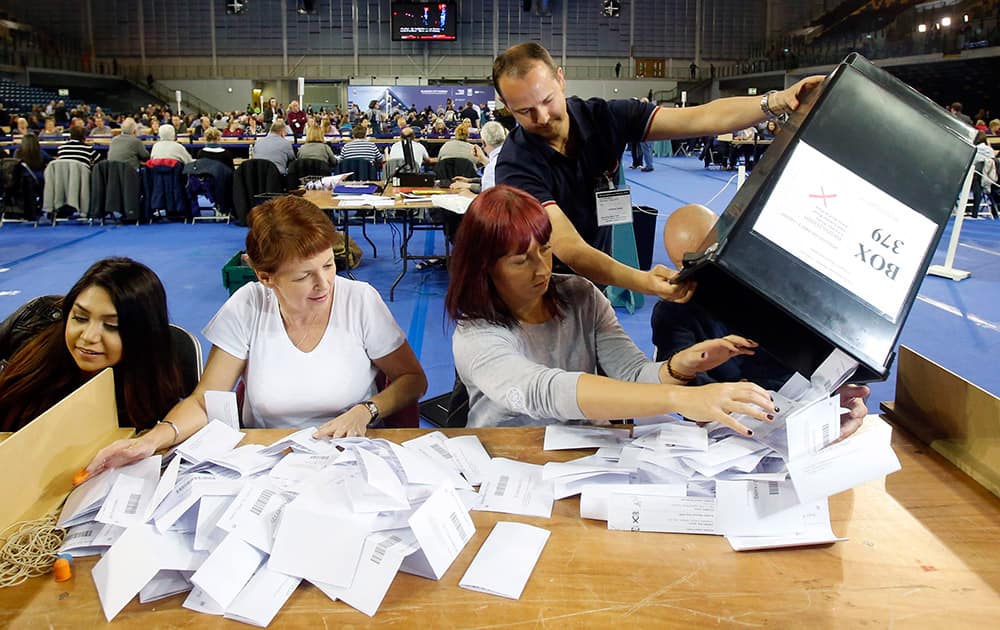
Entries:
{"x":235,"y":273}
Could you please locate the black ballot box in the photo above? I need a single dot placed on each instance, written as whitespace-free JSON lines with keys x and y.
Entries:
{"x":826,"y":244}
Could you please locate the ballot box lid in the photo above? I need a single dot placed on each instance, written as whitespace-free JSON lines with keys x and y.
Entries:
{"x":826,"y":244}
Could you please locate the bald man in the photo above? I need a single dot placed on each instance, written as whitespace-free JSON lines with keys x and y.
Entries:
{"x":677,"y":326}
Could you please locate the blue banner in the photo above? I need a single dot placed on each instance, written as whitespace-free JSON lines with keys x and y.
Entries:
{"x":420,"y":96}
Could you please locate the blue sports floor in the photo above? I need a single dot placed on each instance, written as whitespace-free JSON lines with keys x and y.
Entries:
{"x":956,"y":324}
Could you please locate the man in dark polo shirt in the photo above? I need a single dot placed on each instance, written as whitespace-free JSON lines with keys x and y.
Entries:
{"x":564,"y":150}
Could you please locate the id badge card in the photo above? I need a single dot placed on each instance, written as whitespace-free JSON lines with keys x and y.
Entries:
{"x":614,"y":207}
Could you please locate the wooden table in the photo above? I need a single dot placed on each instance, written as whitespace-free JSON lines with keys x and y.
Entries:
{"x":326,"y":201}
{"x":922,"y":554}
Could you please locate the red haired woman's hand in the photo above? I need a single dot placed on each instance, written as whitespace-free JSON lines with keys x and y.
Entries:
{"x":661,"y":284}
{"x":718,"y":402}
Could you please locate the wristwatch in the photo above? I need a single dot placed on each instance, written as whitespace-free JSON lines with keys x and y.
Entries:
{"x":770,"y":115}
{"x":372,"y":409}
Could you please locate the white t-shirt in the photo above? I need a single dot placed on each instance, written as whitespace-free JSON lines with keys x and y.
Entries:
{"x":419,"y":152}
{"x":286,"y":387}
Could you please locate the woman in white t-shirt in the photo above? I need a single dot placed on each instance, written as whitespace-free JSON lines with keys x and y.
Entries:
{"x":307,"y":343}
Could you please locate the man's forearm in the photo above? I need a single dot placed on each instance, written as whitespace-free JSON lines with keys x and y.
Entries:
{"x":720,"y":116}
{"x":603,"y":269}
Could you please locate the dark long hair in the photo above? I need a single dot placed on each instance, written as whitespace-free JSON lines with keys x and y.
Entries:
{"x":30,"y":152}
{"x":501,"y":220}
{"x":148,"y":377}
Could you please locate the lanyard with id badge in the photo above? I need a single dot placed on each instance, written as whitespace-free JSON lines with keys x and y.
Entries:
{"x":614,"y":207}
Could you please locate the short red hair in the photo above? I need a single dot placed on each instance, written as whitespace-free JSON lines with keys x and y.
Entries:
{"x":501,"y":221}
{"x":286,"y":229}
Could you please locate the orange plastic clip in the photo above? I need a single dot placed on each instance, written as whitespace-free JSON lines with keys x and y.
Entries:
{"x":61,"y":569}
{"x":80,"y":476}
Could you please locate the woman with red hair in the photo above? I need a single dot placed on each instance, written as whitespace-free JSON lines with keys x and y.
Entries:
{"x":307,"y":344}
{"x":529,"y":344}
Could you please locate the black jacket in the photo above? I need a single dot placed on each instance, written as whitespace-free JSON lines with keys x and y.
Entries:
{"x":252,"y":178}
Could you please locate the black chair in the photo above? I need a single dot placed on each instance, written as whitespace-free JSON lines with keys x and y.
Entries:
{"x":188,"y":351}
{"x":450,"y":409}
{"x":20,"y":193}
{"x":449,"y":168}
{"x":361,"y":170}
{"x":444,"y":170}
{"x":164,"y":185}
{"x":305,"y":167}
{"x":213,"y":180}
{"x":252,"y":178}
{"x":115,"y":188}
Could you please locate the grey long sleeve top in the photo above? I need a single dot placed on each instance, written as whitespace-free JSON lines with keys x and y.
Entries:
{"x":529,"y":374}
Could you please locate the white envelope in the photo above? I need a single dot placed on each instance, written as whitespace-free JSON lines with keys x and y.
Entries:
{"x":505,"y":561}
{"x":263,"y":596}
{"x":515,"y":488}
{"x":227,"y":570}
{"x":594,"y":498}
{"x":214,"y":439}
{"x":442,"y":527}
{"x":646,"y":513}
{"x":560,"y":437}
{"x":128,"y":565}
{"x":380,"y":560}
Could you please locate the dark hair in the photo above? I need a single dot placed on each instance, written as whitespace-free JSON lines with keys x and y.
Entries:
{"x":500,"y":221}
{"x":148,"y":377}
{"x":518,"y":60}
{"x":358,"y":132}
{"x":78,"y":133}
{"x":285,"y":229}
{"x":30,"y":152}
{"x":980,"y":137}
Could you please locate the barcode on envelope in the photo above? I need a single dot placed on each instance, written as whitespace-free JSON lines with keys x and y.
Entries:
{"x":133,"y":503}
{"x":772,"y":488}
{"x":826,"y":434}
{"x":501,"y":488}
{"x":458,"y":526}
{"x":379,"y":554}
{"x":87,"y":533}
{"x":261,"y":502}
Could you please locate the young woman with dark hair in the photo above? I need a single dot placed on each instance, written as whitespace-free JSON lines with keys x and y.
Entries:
{"x":308,"y":344}
{"x":114,"y":316}
{"x":30,"y":152}
{"x":529,"y":344}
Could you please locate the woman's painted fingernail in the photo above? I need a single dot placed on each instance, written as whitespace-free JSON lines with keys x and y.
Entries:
{"x":749,"y":432}
{"x":776,"y":410}
{"x":770,"y":417}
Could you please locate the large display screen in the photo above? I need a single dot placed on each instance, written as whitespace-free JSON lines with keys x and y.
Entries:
{"x":424,"y":21}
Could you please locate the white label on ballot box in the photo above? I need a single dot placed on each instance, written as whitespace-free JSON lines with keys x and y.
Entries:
{"x":846,"y":229}
{"x":614,"y":207}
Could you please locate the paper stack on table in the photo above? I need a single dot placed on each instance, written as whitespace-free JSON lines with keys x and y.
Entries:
{"x":241,"y":527}
{"x":762,"y":492}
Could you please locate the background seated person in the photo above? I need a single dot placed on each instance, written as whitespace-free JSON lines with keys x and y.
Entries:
{"x":213,"y":151}
{"x":100,"y":130}
{"x":677,"y":326}
{"x":316,"y":148}
{"x":274,"y":147}
{"x":114,"y":316}
{"x":460,"y":147}
{"x":493,"y":136}
{"x":30,"y":152}
{"x":234,"y":129}
{"x":307,"y":343}
{"x":50,"y":129}
{"x":168,"y":148}
{"x":528,"y":344}
{"x":360,"y":148}
{"x":125,"y":147}
{"x":77,"y":149}
{"x":420,"y":156}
